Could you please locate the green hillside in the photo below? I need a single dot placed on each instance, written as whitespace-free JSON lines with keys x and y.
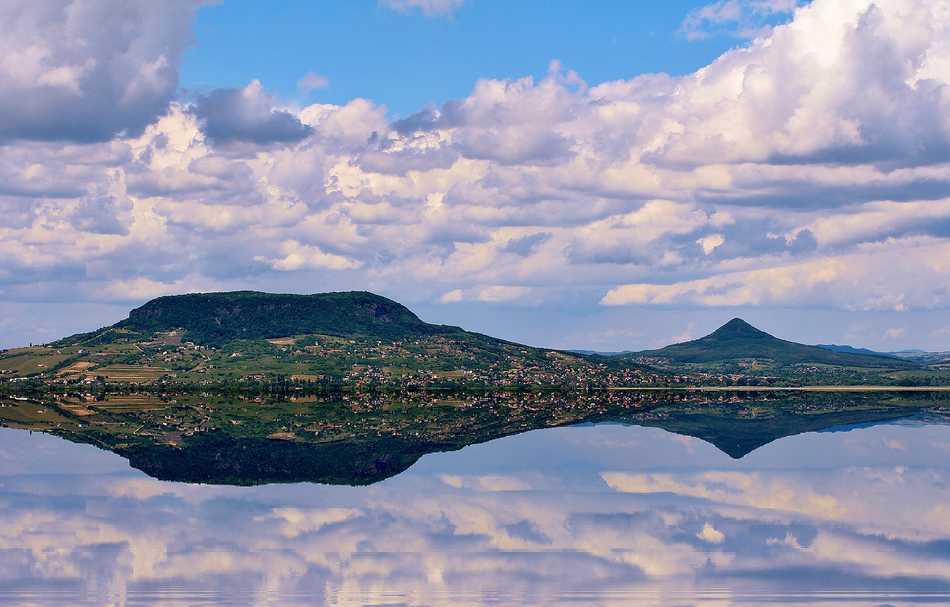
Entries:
{"x":218,"y":318}
{"x":357,"y":339}
{"x":738,"y":340}
{"x":360,"y":340}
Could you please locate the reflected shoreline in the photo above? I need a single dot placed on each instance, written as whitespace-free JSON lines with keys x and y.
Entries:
{"x":361,"y":439}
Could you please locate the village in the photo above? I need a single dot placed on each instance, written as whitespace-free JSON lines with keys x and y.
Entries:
{"x":171,"y":418}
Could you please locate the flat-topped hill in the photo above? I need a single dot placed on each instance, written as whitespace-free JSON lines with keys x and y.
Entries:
{"x":217,"y":318}
{"x":367,"y":339}
{"x":738,"y":340}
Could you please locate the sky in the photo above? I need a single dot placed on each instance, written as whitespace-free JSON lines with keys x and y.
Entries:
{"x":613,"y":179}
{"x":440,"y":57}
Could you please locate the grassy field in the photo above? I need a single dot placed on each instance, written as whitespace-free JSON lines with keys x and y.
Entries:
{"x":78,"y":408}
{"x":129,"y":403}
{"x":31,"y":414}
{"x":31,"y":361}
{"x":77,"y":368}
{"x":131,"y":373}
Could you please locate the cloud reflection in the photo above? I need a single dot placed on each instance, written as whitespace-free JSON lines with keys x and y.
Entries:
{"x":454,"y":532}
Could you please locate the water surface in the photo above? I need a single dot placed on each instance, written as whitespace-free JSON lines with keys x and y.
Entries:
{"x":586,"y":515}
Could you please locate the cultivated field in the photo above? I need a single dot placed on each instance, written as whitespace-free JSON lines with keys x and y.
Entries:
{"x":29,"y":361}
{"x":76,"y":368}
{"x":22,"y":412}
{"x":129,"y":403}
{"x":131,"y":373}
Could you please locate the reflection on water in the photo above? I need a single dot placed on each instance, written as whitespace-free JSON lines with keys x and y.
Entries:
{"x":233,"y":438}
{"x":593,"y":515}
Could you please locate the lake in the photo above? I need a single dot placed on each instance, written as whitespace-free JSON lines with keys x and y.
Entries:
{"x":596,"y":514}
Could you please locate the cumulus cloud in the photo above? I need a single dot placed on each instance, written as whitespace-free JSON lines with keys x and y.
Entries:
{"x":711,"y":242}
{"x":526,"y":245}
{"x":298,"y":256}
{"x":453,"y":296}
{"x":311,"y":81}
{"x":513,"y":146}
{"x":429,"y":8}
{"x":88,"y":70}
{"x":809,"y":167}
{"x":895,"y":333}
{"x":895,"y":276}
{"x":740,"y":488}
{"x":101,"y":215}
{"x":247,"y":114}
{"x":501,"y":293}
{"x":741,"y":18}
{"x":295,"y":521}
{"x":710,"y":534}
{"x":645,"y":236}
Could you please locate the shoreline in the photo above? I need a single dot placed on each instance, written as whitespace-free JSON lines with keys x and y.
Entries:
{"x":786,"y":389}
{"x":9,"y":390}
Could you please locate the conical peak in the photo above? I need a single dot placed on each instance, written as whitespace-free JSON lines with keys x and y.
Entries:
{"x":738,"y":328}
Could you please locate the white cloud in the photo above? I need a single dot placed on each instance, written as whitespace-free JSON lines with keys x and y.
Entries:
{"x":247,"y":114}
{"x":710,"y":534}
{"x":299,"y":256}
{"x":429,"y":8}
{"x":747,"y":489}
{"x":810,"y":167}
{"x":85,"y":71}
{"x":453,"y":296}
{"x":711,"y":242}
{"x":688,"y":334}
{"x":741,"y":18}
{"x":729,"y":527}
{"x":895,"y":333}
{"x":453,"y":480}
{"x":312,"y":81}
{"x":895,"y":276}
{"x":298,"y":521}
{"x":502,"y":293}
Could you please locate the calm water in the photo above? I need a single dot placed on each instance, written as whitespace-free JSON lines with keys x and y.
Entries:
{"x":588,"y":515}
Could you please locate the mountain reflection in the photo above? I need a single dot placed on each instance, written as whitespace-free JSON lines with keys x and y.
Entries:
{"x":603,"y":515}
{"x":360,"y":439}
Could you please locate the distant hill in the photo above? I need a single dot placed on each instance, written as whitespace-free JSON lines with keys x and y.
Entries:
{"x":923,"y":357}
{"x":218,"y":318}
{"x":917,"y":356}
{"x":844,"y":349}
{"x":362,"y":339}
{"x":353,"y":338}
{"x":738,"y":340}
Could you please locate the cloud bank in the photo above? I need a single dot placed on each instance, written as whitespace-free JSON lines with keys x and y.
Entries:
{"x":810,"y":167}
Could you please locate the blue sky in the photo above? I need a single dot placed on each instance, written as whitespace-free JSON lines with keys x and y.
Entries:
{"x":682,"y":163}
{"x":408,"y":60}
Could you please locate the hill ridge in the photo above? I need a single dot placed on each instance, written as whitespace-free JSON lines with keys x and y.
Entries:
{"x":218,"y":317}
{"x":737,"y":327}
{"x":738,"y":340}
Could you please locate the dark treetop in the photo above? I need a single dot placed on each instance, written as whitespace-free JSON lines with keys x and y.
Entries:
{"x":218,"y":318}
